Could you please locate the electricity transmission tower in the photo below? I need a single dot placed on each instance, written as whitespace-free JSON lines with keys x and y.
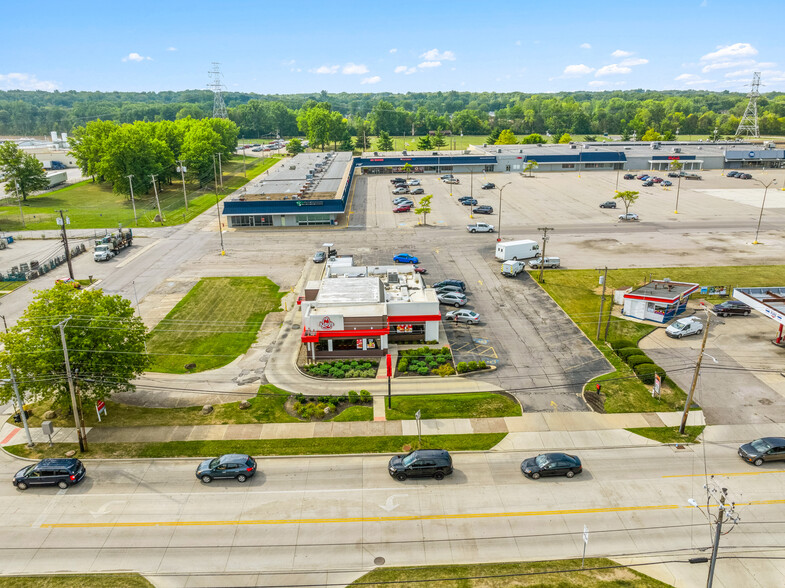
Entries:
{"x":749,"y":122}
{"x":216,"y":85}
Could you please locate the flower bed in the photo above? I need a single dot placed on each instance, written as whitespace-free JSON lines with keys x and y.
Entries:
{"x":425,"y":361}
{"x":312,"y":408}
{"x":342,"y":369}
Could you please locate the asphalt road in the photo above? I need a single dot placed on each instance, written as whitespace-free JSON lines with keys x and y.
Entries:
{"x":301,"y":519}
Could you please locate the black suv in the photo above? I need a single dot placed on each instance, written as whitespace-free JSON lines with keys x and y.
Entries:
{"x":731,"y":307}
{"x":421,"y":463}
{"x":232,"y":465}
{"x":64,"y":472}
{"x":448,"y":282}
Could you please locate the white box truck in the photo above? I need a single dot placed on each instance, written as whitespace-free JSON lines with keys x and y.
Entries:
{"x":512,"y":268}
{"x":515,"y":250}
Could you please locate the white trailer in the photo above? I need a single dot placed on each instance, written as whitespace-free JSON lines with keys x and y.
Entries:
{"x":55,"y":178}
{"x":515,"y":250}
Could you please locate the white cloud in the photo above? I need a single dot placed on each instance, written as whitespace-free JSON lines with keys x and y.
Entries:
{"x":692,"y":79}
{"x":288,"y":62}
{"x":731,"y":52}
{"x":371,"y":80}
{"x":326,"y":69}
{"x":171,"y":48}
{"x":612,"y":69}
{"x":393,"y":50}
{"x":404,"y":69}
{"x":727,"y":64}
{"x":632,"y":61}
{"x":518,"y":43}
{"x":766,"y":74}
{"x":685,"y":77}
{"x":597,"y":83}
{"x":577,"y":70}
{"x":585,"y":45}
{"x":620,"y":53}
{"x":136,"y":57}
{"x":434,"y":55}
{"x":24,"y":81}
{"x":426,"y":64}
{"x":354,"y":69}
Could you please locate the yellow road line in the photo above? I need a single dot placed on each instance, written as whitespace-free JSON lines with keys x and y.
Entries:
{"x":758,"y":473}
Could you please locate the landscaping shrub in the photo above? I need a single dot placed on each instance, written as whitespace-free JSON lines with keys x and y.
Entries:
{"x":365,"y":396}
{"x":354,"y":398}
{"x":482,"y":365}
{"x":472,"y":366}
{"x":634,"y":360}
{"x":444,"y":370}
{"x":423,"y":371}
{"x":462,"y":367}
{"x":621,"y":343}
{"x":342,"y":369}
{"x":403,"y":365}
{"x":625,"y":352}
{"x":646,"y":371}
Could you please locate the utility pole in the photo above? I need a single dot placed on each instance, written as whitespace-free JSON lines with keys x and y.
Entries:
{"x":220,"y":171}
{"x":688,"y":402}
{"x":131,"y":184}
{"x":603,"y":280}
{"x":244,"y":174}
{"x":182,"y":175}
{"x":157,"y":202}
{"x":542,"y":255}
{"x":79,"y":406}
{"x":218,"y":208}
{"x":65,"y":244}
{"x":726,"y":513}
{"x":22,"y":214}
{"x":82,"y":441}
{"x":21,"y":406}
{"x":5,"y":324}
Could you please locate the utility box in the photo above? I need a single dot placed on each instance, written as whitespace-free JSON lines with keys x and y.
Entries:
{"x":48,"y":428}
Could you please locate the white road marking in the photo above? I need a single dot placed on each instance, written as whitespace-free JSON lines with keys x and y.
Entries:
{"x":391,"y":505}
{"x":237,"y":491}
{"x":106,"y":507}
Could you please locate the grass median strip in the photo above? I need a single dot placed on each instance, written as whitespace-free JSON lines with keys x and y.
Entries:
{"x":76,"y":581}
{"x":597,"y":573}
{"x":453,"y":406}
{"x":214,"y":323}
{"x":262,"y":447}
{"x":669,"y":434}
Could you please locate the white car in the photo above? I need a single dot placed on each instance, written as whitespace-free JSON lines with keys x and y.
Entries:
{"x":628,"y":216}
{"x":401,"y":190}
{"x":454,"y":298}
{"x":401,"y":199}
{"x":463,"y":316}
{"x":414,"y":182}
{"x":452,"y":181}
{"x":480,"y":228}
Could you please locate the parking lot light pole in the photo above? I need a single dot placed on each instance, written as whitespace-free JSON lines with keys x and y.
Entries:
{"x":501,"y":191}
{"x":762,"y":204}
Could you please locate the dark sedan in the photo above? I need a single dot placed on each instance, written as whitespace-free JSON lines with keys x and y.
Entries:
{"x":484,"y":209}
{"x":731,"y":307}
{"x":551,"y":464}
{"x":232,"y":465}
{"x":765,"y":449}
{"x":469,"y":201}
{"x":629,"y":176}
{"x":608,"y":204}
{"x":488,"y":186}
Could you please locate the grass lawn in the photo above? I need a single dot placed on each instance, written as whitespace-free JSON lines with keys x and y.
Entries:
{"x":315,"y":446}
{"x":513,"y":574}
{"x":93,"y":205}
{"x":214,"y":323}
{"x":76,"y":581}
{"x":267,"y":407}
{"x":355,"y":413}
{"x":576,"y":291}
{"x":6,"y":287}
{"x":452,"y":406}
{"x":669,"y":434}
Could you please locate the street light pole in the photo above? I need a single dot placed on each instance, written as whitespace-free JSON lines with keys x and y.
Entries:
{"x":21,"y":407}
{"x":131,"y":184}
{"x":762,"y":204}
{"x":182,"y":175}
{"x":501,"y":190}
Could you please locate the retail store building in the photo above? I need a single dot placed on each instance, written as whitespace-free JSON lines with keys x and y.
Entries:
{"x":658,"y":301}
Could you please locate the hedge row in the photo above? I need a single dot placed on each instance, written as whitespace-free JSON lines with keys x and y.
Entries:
{"x":641,"y":364}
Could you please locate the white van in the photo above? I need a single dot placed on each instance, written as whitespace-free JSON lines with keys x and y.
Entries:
{"x":512,"y":268}
{"x":684,"y":326}
{"x":515,"y":250}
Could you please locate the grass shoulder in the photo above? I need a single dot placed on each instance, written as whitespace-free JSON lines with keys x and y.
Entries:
{"x":76,"y":581}
{"x":453,"y":406}
{"x":597,"y":573}
{"x":669,"y":434}
{"x":262,"y":447}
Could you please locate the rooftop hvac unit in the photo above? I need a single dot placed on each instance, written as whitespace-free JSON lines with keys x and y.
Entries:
{"x":376,"y":153}
{"x":485,"y":144}
{"x":677,"y":149}
{"x":655,"y":145}
{"x":498,"y":151}
{"x":573,"y":146}
{"x":435,"y":153}
{"x":404,"y":152}
{"x":392,"y":278}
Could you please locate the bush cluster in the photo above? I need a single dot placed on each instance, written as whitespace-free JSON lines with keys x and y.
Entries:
{"x":313,"y":407}
{"x":471,"y":366}
{"x":646,"y":371}
{"x":343,"y":369}
{"x":641,"y":364}
{"x":425,"y":360}
{"x":617,"y":344}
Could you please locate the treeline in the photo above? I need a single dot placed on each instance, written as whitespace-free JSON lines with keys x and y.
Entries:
{"x":111,"y":152}
{"x":471,"y":113}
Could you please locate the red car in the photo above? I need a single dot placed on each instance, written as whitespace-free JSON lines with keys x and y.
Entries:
{"x":420,"y":270}
{"x":404,"y":208}
{"x":656,"y":180}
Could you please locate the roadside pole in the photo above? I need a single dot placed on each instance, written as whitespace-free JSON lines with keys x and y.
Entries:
{"x":542,"y":255}
{"x":218,"y":208}
{"x":22,"y":214}
{"x":82,"y":442}
{"x":417,"y":417}
{"x":688,"y":402}
{"x":62,"y":222}
{"x":389,"y":381}
{"x":21,"y":407}
{"x":158,"y":202}
{"x":603,"y":279}
{"x":182,"y":175}
{"x":133,"y":204}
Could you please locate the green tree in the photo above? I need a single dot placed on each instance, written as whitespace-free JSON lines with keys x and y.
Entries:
{"x":133,"y":149}
{"x":384,"y":142}
{"x":507,"y":137}
{"x":628,"y":198}
{"x":200,"y":145}
{"x":87,"y":145}
{"x":533,"y":139}
{"x":228,"y":132}
{"x":530,"y":166}
{"x":315,"y":122}
{"x":294,"y":146}
{"x":424,"y":207}
{"x":363,"y":134}
{"x":491,"y":139}
{"x":651,"y":135}
{"x":22,"y":171}
{"x":565,"y":138}
{"x":438,"y":140}
{"x":338,"y":127}
{"x":407,"y":167}
{"x":190,"y":110}
{"x":424,"y":143}
{"x":105,"y":340}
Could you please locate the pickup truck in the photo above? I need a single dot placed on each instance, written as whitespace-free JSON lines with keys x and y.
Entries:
{"x":480,"y":228}
{"x":549,"y":262}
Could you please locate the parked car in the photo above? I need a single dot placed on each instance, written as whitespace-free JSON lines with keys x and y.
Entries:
{"x":401,"y":190}
{"x":455,"y":299}
{"x":469,"y":202}
{"x":256,"y":149}
{"x":420,"y":270}
{"x":64,"y":472}
{"x":488,"y":186}
{"x":452,"y":282}
{"x":401,"y":199}
{"x":405,"y":258}
{"x":484,"y":209}
{"x":414,"y":182}
{"x":673,"y":174}
{"x":551,"y":464}
{"x":666,"y":183}
{"x":551,"y":262}
{"x":480,"y":228}
{"x":731,"y":307}
{"x":232,"y":465}
{"x":630,"y":216}
{"x":463,"y":316}
{"x":765,"y":449}
{"x":684,"y":327}
{"x":452,"y":181}
{"x":744,"y":176}
{"x":444,"y":288}
{"x":629,"y":176}
{"x":417,"y":191}
{"x":399,"y":182}
{"x":656,"y":180}
{"x":403,"y":208}
{"x":608,"y":204}
{"x":648,"y":183}
{"x":394,"y":180}
{"x":732,"y":174}
{"x":421,"y":463}
{"x":643,"y":176}
{"x":446,"y":176}
{"x":319,"y":257}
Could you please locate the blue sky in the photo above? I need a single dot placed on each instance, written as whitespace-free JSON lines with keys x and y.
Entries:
{"x":309,"y":46}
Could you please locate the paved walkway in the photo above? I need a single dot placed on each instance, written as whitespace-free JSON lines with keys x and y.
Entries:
{"x":530,"y":431}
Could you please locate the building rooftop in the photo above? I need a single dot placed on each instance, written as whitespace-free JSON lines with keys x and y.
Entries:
{"x":350,"y":291}
{"x":771,"y":298}
{"x":665,"y":289}
{"x":307,"y":175}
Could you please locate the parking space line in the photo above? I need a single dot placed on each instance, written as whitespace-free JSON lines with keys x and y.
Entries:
{"x":758,"y":473}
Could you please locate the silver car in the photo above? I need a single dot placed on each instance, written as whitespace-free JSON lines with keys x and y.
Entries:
{"x":454,"y":298}
{"x":463,"y":316}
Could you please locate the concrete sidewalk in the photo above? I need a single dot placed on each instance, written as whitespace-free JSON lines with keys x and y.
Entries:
{"x":530,"y":431}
